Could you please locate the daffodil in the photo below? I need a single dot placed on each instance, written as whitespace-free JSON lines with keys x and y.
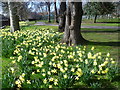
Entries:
{"x":28,"y":82}
{"x":17,"y":81}
{"x":12,"y":70}
{"x":113,"y":62}
{"x":43,"y":70}
{"x":72,"y":69}
{"x":103,"y":72}
{"x":80,"y":54}
{"x":65,"y":61}
{"x":51,"y":79}
{"x":65,"y":76}
{"x":19,"y":58}
{"x":56,"y":80}
{"x":59,"y":66}
{"x":33,"y":73}
{"x":106,"y":62}
{"x":19,"y":85}
{"x":79,"y":72}
{"x":106,"y":70}
{"x":50,"y":86}
{"x":23,"y":74}
{"x":49,"y":73}
{"x":108,"y":54}
{"x":62,"y":70}
{"x":92,"y":48}
{"x":54,"y":71}
{"x":50,"y":63}
{"x":21,"y":79}
{"x":98,"y":72}
{"x":38,"y":70}
{"x":55,"y":83}
{"x":45,"y":81}
{"x":13,"y":61}
{"x":77,"y":78}
{"x":54,"y":65}
{"x":86,"y":61}
{"x":33,"y":62}
{"x":81,"y":60}
{"x":44,"y":74}
{"x":66,"y":68}
{"x":95,"y":63}
{"x":93,"y":71}
{"x":89,"y":55}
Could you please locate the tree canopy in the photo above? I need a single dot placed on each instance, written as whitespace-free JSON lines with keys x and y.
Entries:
{"x":99,"y":8}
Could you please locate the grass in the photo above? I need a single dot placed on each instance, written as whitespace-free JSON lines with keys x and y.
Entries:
{"x":26,"y":23}
{"x":100,"y":24}
{"x":89,"y":22}
{"x":91,"y":36}
{"x":108,"y":20}
{"x":111,"y":20}
{"x":98,"y":29}
{"x":5,"y":62}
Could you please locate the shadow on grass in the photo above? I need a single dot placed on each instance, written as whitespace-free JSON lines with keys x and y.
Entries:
{"x":95,"y":84}
{"x":102,"y":43}
{"x":94,"y":31}
{"x":108,"y":22}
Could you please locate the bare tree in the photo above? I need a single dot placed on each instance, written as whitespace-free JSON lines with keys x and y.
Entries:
{"x":56,"y":13}
{"x":62,"y":16}
{"x":14,"y":18}
{"x":48,"y":6}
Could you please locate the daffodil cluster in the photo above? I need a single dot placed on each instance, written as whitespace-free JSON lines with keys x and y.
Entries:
{"x":49,"y":64}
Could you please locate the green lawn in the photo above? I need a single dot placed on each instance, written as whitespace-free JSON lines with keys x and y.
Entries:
{"x":100,"y":24}
{"x":88,"y":23}
{"x":111,"y":20}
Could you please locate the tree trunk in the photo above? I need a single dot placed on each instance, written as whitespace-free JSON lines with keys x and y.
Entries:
{"x":14,"y":18}
{"x":95,"y":18}
{"x":67,"y":24}
{"x":49,"y":12}
{"x":62,"y":17}
{"x":56,"y":14}
{"x":72,"y":34}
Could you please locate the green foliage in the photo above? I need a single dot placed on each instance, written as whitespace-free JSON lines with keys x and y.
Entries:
{"x":98,"y":8}
{"x":44,"y":63}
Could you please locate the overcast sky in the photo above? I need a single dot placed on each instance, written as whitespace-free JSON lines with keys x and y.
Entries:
{"x":51,"y":7}
{"x":0,"y":8}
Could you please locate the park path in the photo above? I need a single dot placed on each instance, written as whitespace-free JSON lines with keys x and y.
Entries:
{"x":83,"y":26}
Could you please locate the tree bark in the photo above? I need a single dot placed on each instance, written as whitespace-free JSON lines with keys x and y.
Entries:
{"x":62,"y":17}
{"x":56,"y":14}
{"x":67,"y":24}
{"x":95,"y":18}
{"x":14,"y":18}
{"x":49,"y":12}
{"x":72,"y":34}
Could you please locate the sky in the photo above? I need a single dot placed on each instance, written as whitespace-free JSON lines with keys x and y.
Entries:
{"x":0,"y":8}
{"x":51,"y":7}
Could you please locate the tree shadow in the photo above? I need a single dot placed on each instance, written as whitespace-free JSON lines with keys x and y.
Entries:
{"x":109,"y":22}
{"x":102,"y":43}
{"x":95,"y":84}
{"x":94,"y":31}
